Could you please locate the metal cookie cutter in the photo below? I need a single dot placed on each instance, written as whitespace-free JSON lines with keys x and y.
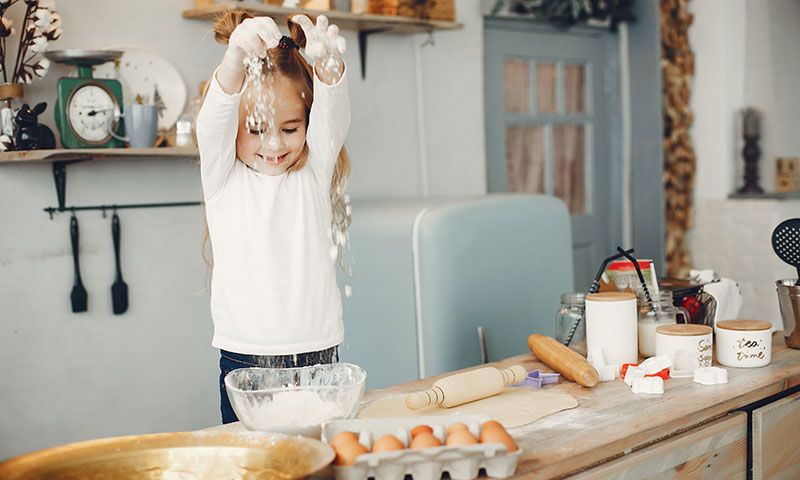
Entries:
{"x":537,"y":378}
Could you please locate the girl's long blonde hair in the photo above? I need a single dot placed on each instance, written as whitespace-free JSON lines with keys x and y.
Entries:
{"x":291,"y":64}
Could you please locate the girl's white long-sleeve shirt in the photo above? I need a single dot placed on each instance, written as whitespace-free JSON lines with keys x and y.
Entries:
{"x":273,"y":287}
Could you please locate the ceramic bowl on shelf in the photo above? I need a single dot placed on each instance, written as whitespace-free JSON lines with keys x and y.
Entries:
{"x":295,"y":400}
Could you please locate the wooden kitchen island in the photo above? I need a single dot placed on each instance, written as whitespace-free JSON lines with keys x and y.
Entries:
{"x":692,"y":431}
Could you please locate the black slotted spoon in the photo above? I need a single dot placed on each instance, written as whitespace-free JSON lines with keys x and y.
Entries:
{"x":786,"y":243}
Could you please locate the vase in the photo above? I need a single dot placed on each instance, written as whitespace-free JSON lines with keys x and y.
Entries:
{"x":10,"y":95}
{"x":11,"y":91}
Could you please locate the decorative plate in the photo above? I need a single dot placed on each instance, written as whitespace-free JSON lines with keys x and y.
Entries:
{"x":151,"y":78}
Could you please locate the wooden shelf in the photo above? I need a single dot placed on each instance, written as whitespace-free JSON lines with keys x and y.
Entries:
{"x":345,"y":20}
{"x":765,"y":196}
{"x":41,"y":156}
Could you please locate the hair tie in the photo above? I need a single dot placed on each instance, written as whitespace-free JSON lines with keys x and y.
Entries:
{"x":287,"y":42}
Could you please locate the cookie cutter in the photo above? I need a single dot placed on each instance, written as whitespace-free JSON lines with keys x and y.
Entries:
{"x":649,"y":385}
{"x":597,"y":360}
{"x":537,"y":378}
{"x":710,"y":375}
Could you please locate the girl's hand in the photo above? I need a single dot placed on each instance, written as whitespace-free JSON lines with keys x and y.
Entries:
{"x":252,"y":37}
{"x":325,"y":46}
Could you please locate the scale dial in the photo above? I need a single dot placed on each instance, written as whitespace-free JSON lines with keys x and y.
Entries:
{"x":90,"y":110}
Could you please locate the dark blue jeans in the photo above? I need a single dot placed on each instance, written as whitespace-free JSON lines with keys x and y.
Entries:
{"x":229,"y":361}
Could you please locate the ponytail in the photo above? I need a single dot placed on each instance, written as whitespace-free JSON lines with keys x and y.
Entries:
{"x":226,"y":23}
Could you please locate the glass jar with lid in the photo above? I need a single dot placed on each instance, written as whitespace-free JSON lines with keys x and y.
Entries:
{"x":662,"y":313}
{"x":572,"y":315}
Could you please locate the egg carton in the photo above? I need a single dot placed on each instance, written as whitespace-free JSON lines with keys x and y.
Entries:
{"x":460,"y":462}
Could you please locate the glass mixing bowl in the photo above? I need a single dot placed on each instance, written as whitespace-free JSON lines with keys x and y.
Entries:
{"x":295,"y":400}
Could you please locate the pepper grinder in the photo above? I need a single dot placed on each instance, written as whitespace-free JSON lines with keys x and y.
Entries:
{"x":751,"y":132}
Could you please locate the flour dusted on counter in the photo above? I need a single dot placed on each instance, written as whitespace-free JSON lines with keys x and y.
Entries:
{"x":293,"y":408}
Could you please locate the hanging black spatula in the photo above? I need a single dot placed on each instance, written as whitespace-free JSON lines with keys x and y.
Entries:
{"x":119,"y":290}
{"x":786,"y":243}
{"x":78,"y":296}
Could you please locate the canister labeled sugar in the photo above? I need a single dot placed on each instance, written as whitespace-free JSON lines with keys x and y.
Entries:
{"x":695,"y":340}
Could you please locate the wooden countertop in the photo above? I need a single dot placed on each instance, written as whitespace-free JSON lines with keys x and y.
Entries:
{"x":611,"y":421}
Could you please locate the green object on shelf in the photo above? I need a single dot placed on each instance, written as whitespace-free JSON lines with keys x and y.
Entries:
{"x":86,"y":107}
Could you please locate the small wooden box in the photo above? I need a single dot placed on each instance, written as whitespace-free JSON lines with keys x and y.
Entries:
{"x":788,"y":166}
{"x":424,"y":9}
{"x":784,"y":184}
{"x":787,"y":174}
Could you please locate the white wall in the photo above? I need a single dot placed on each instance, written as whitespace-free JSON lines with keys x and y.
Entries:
{"x":745,"y":55}
{"x":718,"y":40}
{"x":772,"y":78}
{"x":70,"y":377}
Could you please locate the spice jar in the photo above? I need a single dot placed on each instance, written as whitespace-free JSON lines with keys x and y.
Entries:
{"x":572,"y":312}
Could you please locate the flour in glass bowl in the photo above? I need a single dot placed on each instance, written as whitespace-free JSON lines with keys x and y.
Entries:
{"x":292,"y":411}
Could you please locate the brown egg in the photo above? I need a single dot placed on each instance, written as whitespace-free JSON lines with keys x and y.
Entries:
{"x":387,"y":443}
{"x":456,"y":426}
{"x":419,"y":429}
{"x":492,"y":424}
{"x":343,"y":437}
{"x":347,"y":452}
{"x":493,"y":432}
{"x":425,"y":440}
{"x":460,"y":437}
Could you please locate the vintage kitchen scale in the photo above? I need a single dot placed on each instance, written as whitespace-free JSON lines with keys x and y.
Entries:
{"x":86,"y":107}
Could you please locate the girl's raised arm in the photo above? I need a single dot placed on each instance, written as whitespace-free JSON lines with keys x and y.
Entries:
{"x":329,"y":118}
{"x":218,"y":119}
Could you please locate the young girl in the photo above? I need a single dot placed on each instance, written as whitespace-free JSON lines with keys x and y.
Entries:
{"x":273,"y":190}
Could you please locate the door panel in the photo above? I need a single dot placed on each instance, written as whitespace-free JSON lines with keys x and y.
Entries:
{"x":552,"y":125}
{"x":775,"y":444}
{"x":716,"y":450}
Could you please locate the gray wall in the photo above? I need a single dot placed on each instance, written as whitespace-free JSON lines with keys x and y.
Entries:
{"x":647,"y":151}
{"x":70,"y":377}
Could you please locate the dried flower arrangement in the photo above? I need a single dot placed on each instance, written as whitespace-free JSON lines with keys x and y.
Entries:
{"x":40,"y":25}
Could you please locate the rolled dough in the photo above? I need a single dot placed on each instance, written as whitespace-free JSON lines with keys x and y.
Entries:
{"x":512,"y":407}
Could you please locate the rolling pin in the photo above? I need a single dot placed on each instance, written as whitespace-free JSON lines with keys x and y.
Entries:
{"x":564,"y":360}
{"x":465,"y":387}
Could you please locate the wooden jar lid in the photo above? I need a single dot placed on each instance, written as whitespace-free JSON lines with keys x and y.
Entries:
{"x":744,"y":325}
{"x":610,"y":296}
{"x":684,"y":330}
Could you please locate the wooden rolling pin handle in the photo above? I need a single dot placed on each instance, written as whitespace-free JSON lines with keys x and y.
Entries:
{"x":417,"y":400}
{"x":515,"y":374}
{"x":563,"y":359}
{"x":466,"y":387}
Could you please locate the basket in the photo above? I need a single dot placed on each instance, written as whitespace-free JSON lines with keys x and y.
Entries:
{"x":690,"y":295}
{"x":422,"y":9}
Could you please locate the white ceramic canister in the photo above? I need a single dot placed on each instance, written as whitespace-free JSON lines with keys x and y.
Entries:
{"x":744,"y":343}
{"x":611,"y":325}
{"x":695,"y":340}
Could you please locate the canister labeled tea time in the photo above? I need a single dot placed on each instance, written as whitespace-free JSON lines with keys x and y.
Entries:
{"x":744,"y":343}
{"x":695,"y":340}
{"x":611,"y":325}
